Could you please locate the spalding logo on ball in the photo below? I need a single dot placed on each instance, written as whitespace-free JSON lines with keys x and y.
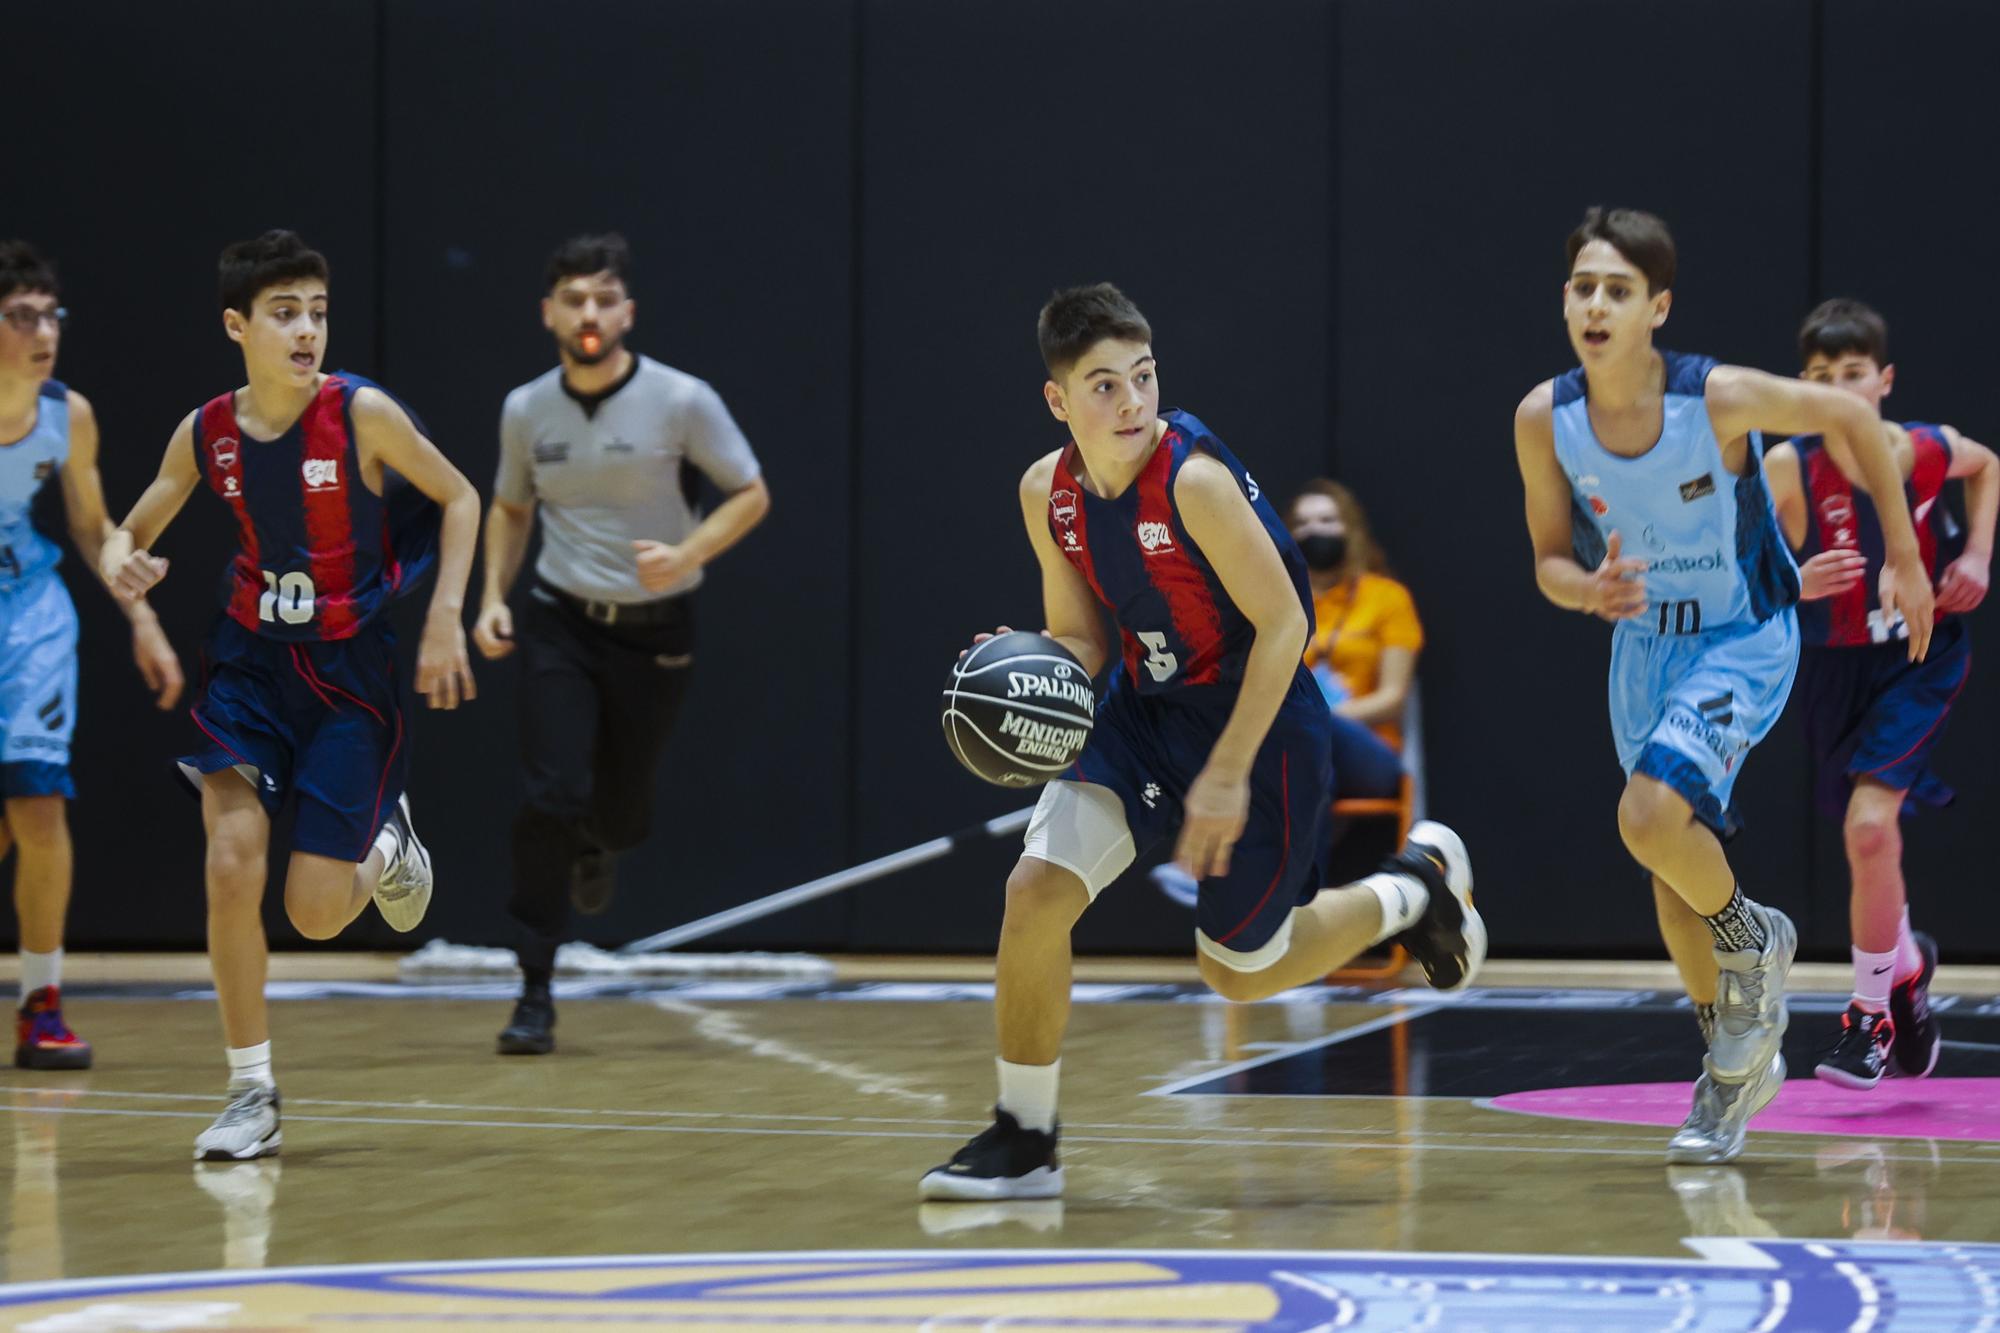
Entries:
{"x":1018,"y":709}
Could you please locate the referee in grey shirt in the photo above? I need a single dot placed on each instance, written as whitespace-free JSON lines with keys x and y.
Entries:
{"x":602,"y":444}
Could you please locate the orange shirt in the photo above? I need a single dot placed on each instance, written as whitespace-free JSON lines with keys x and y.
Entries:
{"x":1352,"y":624}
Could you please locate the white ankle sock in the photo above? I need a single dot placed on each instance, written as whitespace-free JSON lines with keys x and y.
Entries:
{"x":251,"y":1064}
{"x":1028,"y":1093}
{"x":1909,"y":962}
{"x":1874,"y":973}
{"x":39,"y":970}
{"x":1403,"y":899}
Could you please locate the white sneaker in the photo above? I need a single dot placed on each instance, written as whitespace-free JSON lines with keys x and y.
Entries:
{"x":246,"y":1129}
{"x":403,"y":894}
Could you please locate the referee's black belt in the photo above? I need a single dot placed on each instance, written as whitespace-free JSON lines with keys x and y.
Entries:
{"x":655,"y":612}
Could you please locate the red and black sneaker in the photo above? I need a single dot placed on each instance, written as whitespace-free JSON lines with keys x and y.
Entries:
{"x":42,"y":1040}
{"x":1861,"y":1056}
{"x":1917,"y":1035}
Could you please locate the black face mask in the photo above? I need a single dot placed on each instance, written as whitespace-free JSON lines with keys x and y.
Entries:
{"x":1324,"y":551}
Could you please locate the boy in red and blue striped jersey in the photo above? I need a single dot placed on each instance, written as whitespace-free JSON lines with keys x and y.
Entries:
{"x":336,"y":496}
{"x":1208,"y":728}
{"x":1872,"y":715}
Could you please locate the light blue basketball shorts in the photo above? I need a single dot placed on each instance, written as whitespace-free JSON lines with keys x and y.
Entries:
{"x":37,"y":686}
{"x":1686,"y":709}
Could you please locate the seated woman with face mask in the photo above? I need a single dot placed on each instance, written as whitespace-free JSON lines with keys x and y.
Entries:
{"x":1363,"y":651}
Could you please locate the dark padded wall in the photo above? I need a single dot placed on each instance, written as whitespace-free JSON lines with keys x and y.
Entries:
{"x":1911,"y":131}
{"x":1345,"y":221}
{"x":996,"y":165}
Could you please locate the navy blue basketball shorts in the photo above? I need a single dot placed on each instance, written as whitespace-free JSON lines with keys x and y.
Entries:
{"x":320,"y":723}
{"x":1873,"y":713}
{"x":1124,"y":795}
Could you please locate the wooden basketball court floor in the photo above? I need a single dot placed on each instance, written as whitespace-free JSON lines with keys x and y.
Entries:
{"x":733,"y":1155}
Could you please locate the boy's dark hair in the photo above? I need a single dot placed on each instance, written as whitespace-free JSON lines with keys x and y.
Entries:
{"x":1839,"y":327}
{"x":1076,"y":318}
{"x":249,"y":267}
{"x":22,"y":269}
{"x":581,"y":256}
{"x":1641,"y":237}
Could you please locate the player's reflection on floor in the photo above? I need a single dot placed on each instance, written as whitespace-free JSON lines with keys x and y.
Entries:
{"x":1883,"y":1185}
{"x":34,"y":1227}
{"x":1879,"y":1188}
{"x":248,"y":1193}
{"x":1035,"y":1215}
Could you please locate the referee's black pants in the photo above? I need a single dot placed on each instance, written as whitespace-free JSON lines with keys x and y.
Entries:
{"x":597,"y":704}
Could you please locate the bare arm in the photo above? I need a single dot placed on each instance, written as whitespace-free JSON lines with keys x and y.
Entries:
{"x":125,"y":561}
{"x":386,"y":437}
{"x":1962,"y":586}
{"x":1221,"y":522}
{"x":1741,"y":400}
{"x":1069,"y":607}
{"x":1616,"y":589}
{"x":89,"y":526}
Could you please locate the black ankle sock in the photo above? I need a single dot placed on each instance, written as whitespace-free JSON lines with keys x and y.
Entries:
{"x":537,"y":978}
{"x":1736,"y":927}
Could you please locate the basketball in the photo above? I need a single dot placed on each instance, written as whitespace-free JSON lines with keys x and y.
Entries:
{"x":1018,"y":709}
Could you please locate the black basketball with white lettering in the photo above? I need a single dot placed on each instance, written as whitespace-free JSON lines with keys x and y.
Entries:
{"x":1018,"y":709}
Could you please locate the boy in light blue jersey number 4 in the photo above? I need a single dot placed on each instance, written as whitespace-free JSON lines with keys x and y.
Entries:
{"x":1647,"y":506}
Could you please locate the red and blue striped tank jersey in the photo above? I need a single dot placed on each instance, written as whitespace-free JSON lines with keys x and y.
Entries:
{"x":1841,"y":517}
{"x":1177,"y":625}
{"x":313,"y":560}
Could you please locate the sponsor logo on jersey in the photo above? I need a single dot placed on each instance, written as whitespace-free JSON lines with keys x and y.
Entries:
{"x":1250,"y":485}
{"x":1714,"y":562}
{"x":1156,"y":538}
{"x":1150,"y":794}
{"x":1028,"y":684}
{"x":1696,"y":489}
{"x":1062,"y":511}
{"x":321,"y":474}
{"x":551,"y":451}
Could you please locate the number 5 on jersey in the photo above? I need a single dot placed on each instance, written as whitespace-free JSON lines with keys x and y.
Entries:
{"x":1159,"y":663}
{"x":288,"y":598}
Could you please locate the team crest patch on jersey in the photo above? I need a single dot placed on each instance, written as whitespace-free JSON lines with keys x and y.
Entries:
{"x":1838,"y":511}
{"x":1062,"y":508}
{"x":321,"y":474}
{"x":1156,"y":538}
{"x":223,"y":450}
{"x":1598,"y":506}
{"x":1696,"y":489}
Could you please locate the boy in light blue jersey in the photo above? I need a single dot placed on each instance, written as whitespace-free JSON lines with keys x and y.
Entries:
{"x":47,"y":432}
{"x":1647,"y":506}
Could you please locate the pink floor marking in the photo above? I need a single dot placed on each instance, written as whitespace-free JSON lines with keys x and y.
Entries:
{"x":1935,"y":1108}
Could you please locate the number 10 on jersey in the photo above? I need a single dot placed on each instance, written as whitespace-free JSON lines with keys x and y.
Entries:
{"x":287,"y":597}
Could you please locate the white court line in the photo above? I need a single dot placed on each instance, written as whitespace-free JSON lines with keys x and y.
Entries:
{"x":1289,"y":1049}
{"x":1634,"y":1134}
{"x":1651,"y":1150}
{"x":948,"y":1122}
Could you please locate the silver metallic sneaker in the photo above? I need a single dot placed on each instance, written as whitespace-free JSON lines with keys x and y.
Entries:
{"x":1713,"y":1131}
{"x":403,"y":894}
{"x":246,"y":1129}
{"x":1750,"y":1015}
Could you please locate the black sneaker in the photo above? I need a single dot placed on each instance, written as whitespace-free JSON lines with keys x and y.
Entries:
{"x":1449,"y":939}
{"x":532,"y":1030}
{"x":593,"y":878}
{"x":1861,"y":1056}
{"x":1917,"y":1036}
{"x":1003,"y":1162}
